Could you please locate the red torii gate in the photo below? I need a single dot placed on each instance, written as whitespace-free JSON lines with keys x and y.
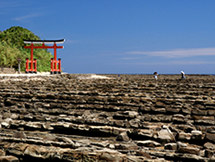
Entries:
{"x":33,"y":62}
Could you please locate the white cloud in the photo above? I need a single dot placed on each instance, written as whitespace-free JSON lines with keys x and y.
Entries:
{"x":130,"y":58}
{"x":178,"y":53}
{"x":68,"y":41}
{"x":22,"y":18}
{"x":170,"y":63}
{"x":191,"y":62}
{"x":9,"y":4}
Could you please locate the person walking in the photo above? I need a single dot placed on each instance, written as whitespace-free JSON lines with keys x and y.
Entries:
{"x":156,"y":76}
{"x":183,"y":75}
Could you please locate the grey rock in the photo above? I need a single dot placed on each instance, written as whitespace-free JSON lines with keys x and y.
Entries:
{"x":8,"y":159}
{"x":209,"y":153}
{"x":126,"y":146}
{"x":7,"y":122}
{"x":209,"y":145}
{"x":148,"y":143}
{"x":144,"y":154}
{"x":196,"y":132}
{"x":165,"y":135}
{"x":122,"y":137}
{"x":210,"y":137}
{"x":50,"y":137}
{"x":131,"y":114}
{"x":182,"y":136}
{"x":19,"y":135}
{"x":189,"y":150}
{"x":101,"y":144}
{"x":171,"y":146}
{"x":181,"y":144}
{"x":14,"y":116}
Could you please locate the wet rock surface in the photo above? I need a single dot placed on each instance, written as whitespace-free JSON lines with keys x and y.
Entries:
{"x":72,"y":117}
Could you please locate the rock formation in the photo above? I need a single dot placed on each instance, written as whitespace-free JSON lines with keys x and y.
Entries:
{"x":71,"y":117}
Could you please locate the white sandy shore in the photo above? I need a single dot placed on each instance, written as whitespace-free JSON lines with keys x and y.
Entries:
{"x":29,"y":75}
{"x":94,"y":76}
{"x":90,"y":76}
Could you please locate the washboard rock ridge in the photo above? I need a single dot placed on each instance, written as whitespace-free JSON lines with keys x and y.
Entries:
{"x":78,"y":117}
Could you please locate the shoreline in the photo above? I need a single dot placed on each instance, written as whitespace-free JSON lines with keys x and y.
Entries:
{"x":48,"y":73}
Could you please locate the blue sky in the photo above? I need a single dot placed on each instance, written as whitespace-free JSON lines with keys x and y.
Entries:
{"x":122,"y":36}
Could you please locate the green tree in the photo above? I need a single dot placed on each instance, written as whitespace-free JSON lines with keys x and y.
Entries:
{"x":12,"y":47}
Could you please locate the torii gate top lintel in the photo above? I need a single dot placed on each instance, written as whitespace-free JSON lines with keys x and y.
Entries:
{"x":43,"y":41}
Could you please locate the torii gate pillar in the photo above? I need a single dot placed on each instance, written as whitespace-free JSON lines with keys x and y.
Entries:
{"x":55,"y":64}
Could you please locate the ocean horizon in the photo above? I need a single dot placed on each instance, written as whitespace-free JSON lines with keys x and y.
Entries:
{"x":142,"y":74}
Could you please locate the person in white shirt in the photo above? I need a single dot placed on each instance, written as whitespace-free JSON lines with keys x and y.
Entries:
{"x":183,"y":75}
{"x":155,"y":75}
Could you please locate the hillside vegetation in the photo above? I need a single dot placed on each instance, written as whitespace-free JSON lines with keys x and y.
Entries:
{"x":12,"y":47}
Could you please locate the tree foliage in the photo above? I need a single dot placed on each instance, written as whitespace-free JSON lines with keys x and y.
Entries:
{"x":12,"y":47}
